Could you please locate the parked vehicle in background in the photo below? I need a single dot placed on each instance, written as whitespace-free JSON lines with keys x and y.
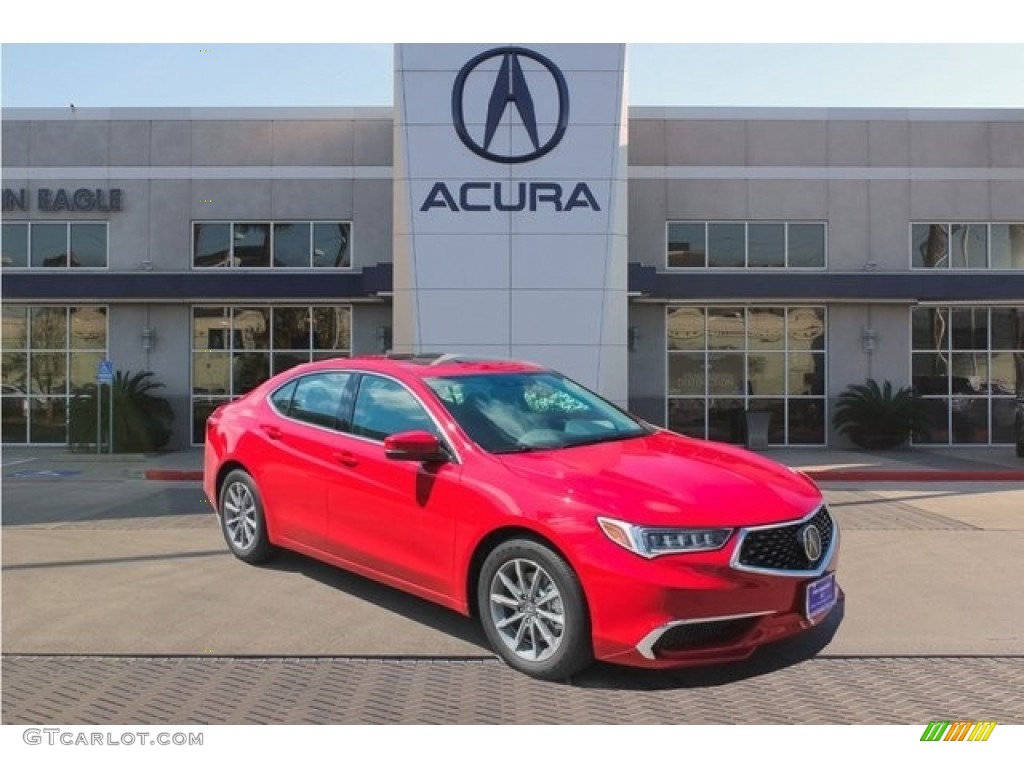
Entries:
{"x":505,"y":490}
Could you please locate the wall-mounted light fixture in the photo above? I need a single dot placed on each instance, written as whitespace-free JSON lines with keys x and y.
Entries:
{"x":633,"y":336}
{"x":868,"y":339}
{"x":383,"y":338}
{"x":148,"y":338}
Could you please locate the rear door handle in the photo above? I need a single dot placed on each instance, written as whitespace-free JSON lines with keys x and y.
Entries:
{"x":274,"y":433}
{"x":347,"y":458}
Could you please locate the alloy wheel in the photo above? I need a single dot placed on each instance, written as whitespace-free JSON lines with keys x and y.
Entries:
{"x":527,"y":610}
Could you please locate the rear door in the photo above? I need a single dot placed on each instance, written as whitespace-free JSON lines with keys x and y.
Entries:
{"x":299,"y":454}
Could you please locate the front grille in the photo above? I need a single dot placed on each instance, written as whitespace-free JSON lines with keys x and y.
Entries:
{"x":688,"y":637}
{"x":780,"y":549}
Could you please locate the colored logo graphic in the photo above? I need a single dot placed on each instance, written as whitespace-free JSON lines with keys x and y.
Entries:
{"x":511,"y":94}
{"x":958,"y":730}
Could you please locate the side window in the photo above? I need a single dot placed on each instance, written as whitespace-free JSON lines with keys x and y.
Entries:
{"x":282,"y":398}
{"x":384,"y":407}
{"x":318,"y":399}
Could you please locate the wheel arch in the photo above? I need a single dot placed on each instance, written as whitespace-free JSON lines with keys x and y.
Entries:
{"x":494,"y":539}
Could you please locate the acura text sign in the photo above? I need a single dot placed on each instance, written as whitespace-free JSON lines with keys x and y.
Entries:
{"x":510,"y":205}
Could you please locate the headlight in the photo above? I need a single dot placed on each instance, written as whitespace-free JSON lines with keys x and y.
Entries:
{"x":651,"y":542}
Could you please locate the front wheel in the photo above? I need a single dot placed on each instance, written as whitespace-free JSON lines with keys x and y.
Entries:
{"x":242,"y":519}
{"x":532,"y":610}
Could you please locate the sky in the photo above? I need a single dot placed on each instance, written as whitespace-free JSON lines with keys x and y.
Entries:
{"x":790,"y":53}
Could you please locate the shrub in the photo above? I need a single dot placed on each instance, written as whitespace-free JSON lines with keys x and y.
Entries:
{"x":877,"y":417}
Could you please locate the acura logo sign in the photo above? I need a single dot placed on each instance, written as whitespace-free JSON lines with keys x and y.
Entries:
{"x":510,"y":94}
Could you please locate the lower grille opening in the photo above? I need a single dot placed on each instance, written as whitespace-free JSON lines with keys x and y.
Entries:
{"x":706,"y":634}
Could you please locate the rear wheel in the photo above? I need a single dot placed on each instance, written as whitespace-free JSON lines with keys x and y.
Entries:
{"x":532,"y":610}
{"x":242,"y":519}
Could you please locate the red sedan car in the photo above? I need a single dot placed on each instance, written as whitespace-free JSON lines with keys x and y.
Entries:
{"x":504,"y":490}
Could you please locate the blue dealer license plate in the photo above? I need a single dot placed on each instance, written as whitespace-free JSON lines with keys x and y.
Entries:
{"x":821,"y":596}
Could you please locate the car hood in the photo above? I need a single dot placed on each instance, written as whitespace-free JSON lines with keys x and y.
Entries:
{"x":667,"y":479}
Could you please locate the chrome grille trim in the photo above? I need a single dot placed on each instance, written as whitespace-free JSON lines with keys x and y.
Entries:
{"x":826,"y":558}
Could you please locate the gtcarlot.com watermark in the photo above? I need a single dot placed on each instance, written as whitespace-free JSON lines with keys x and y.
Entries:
{"x":70,"y":737}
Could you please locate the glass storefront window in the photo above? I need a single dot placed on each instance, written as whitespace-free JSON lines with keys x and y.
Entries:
{"x":236,"y":348}
{"x":967,"y":245}
{"x":967,"y":366}
{"x":49,"y":245}
{"x":15,"y":245}
{"x":266,"y":244}
{"x":725,"y":361}
{"x":330,"y":245}
{"x":291,"y":244}
{"x":746,"y":245}
{"x":687,"y":245}
{"x":211,"y":245}
{"x":251,"y":244}
{"x":727,"y":245}
{"x":48,"y":354}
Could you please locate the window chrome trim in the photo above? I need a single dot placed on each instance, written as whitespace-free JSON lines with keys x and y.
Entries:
{"x":646,"y":646}
{"x":446,"y":442}
{"x":826,"y":558}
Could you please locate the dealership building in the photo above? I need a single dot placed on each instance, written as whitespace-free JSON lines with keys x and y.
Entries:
{"x":696,"y":265}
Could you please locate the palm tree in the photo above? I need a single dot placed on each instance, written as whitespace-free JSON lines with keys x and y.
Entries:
{"x":141,"y":420}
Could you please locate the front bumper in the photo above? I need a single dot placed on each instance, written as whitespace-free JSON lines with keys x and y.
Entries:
{"x":704,"y":608}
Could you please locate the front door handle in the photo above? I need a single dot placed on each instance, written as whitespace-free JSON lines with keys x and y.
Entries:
{"x":347,"y":458}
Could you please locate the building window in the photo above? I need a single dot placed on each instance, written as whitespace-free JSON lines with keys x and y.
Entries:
{"x":49,"y":353}
{"x":746,"y":245}
{"x":265,"y":244}
{"x":967,"y":365}
{"x":55,"y":244}
{"x":724,"y":361}
{"x":976,"y":245}
{"x":235,"y":348}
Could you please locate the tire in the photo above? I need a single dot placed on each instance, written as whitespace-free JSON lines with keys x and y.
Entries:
{"x":532,"y":610}
{"x":242,"y":520}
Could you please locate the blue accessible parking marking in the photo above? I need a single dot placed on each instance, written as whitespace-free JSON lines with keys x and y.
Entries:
{"x":47,"y":473}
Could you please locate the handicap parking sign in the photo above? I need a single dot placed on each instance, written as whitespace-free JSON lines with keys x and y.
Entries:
{"x":105,"y":372}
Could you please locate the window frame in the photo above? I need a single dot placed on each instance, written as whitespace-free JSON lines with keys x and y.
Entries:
{"x":746,"y":224}
{"x":750,"y":401}
{"x":68,"y":227}
{"x":949,"y":266}
{"x":230,"y":333}
{"x":272,"y":224}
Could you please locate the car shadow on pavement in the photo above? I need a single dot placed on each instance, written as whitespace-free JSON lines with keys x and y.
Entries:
{"x":769,"y":659}
{"x":766,"y":660}
{"x":388,"y":598}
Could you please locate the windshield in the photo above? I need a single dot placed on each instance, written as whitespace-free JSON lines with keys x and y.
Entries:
{"x":516,"y":412}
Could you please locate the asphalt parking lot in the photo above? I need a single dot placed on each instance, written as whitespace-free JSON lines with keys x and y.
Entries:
{"x":121,"y":605}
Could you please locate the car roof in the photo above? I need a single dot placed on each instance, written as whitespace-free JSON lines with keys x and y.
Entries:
{"x":425,"y":366}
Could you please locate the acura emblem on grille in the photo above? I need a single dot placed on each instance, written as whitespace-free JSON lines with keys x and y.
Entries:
{"x":810,"y":536}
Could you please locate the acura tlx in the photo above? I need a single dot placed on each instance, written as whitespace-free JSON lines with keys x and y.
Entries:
{"x":503,"y":490}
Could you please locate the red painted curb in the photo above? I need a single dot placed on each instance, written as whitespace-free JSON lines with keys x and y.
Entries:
{"x":916,"y":476}
{"x":173,"y":474}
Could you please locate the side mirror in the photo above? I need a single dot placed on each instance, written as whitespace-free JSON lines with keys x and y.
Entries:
{"x":416,"y":445}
